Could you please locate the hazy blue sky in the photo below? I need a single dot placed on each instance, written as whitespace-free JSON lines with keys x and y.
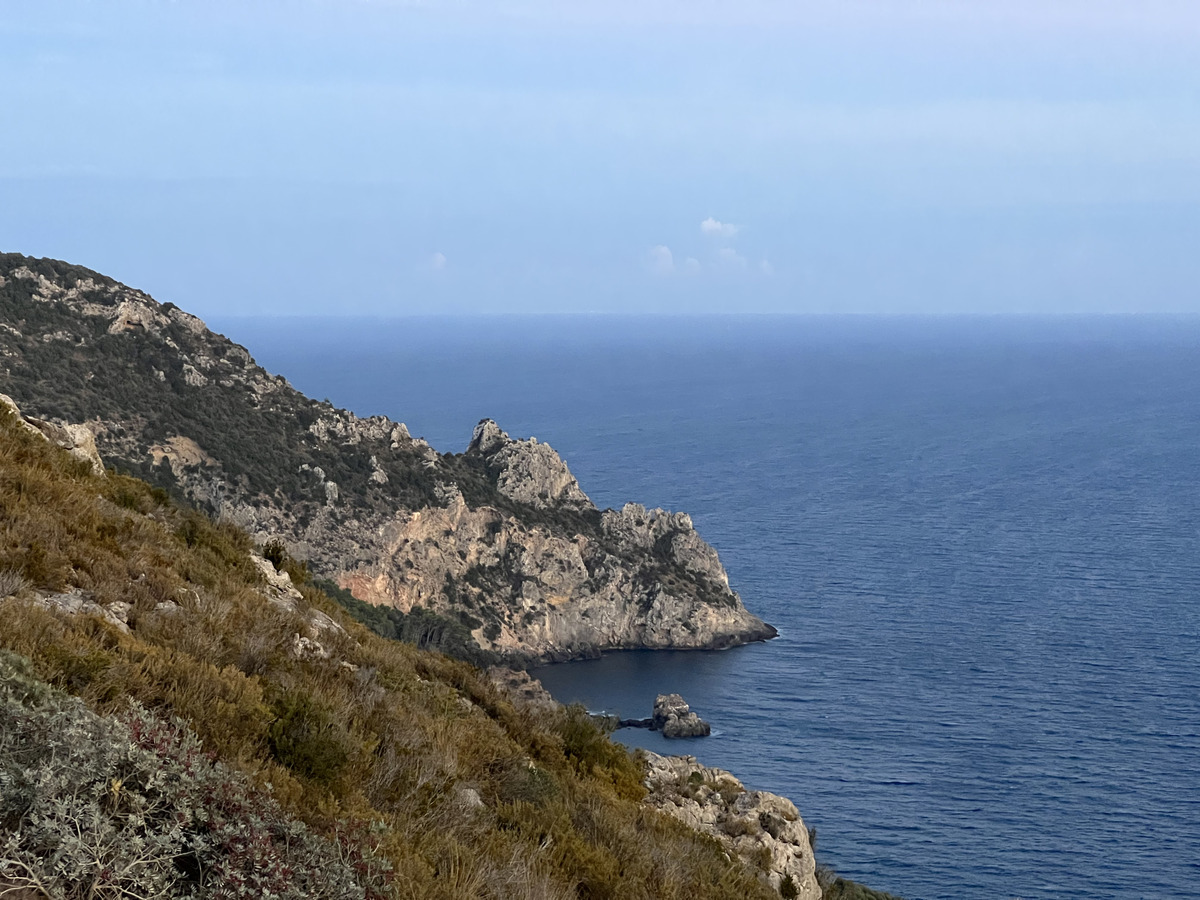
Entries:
{"x":610,"y":155}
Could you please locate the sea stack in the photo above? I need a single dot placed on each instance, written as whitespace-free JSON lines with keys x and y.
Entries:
{"x":675,"y":719}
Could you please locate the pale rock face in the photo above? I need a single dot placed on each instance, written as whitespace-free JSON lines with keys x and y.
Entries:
{"x":181,"y":453}
{"x":78,"y":602}
{"x":342,"y":427}
{"x":134,"y":314}
{"x":550,"y":597}
{"x":671,"y":534}
{"x":306,"y":648}
{"x":378,"y":476}
{"x":196,"y":326}
{"x":399,"y":435}
{"x":78,"y":440}
{"x":9,"y":404}
{"x":757,"y":826}
{"x":525,"y":691}
{"x":529,"y":472}
{"x":280,"y":592}
{"x":193,"y":376}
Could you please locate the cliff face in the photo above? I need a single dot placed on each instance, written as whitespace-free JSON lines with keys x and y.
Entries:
{"x":501,"y":537}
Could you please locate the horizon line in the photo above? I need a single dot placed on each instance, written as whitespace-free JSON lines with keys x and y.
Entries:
{"x":610,"y":314}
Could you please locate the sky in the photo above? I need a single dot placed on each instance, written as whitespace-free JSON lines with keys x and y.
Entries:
{"x":398,"y":157}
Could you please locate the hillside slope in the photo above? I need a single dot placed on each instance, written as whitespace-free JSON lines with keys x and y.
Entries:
{"x":502,"y":537}
{"x":241,"y":738}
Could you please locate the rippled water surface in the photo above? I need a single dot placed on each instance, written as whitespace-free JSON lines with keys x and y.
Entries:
{"x":980,"y":540}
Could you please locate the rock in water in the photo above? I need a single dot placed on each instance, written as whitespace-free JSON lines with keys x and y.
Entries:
{"x":675,"y":719}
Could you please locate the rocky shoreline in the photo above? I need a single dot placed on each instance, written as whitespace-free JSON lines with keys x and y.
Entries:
{"x":762,"y":829}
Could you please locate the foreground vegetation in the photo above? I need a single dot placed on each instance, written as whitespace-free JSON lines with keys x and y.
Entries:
{"x":204,"y":755}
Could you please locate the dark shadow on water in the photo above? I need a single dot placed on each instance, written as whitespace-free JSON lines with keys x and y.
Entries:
{"x":625,"y":683}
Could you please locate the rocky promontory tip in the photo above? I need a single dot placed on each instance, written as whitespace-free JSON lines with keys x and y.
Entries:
{"x":527,"y":471}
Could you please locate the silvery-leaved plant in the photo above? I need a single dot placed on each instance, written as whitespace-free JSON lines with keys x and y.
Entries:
{"x":132,"y":807}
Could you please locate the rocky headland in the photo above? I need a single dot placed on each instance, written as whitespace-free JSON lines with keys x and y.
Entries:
{"x":500,"y":538}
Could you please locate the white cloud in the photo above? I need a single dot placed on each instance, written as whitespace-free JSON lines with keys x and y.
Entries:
{"x":691,"y":264}
{"x":662,"y":261}
{"x":715,"y":228}
{"x":765,"y":267}
{"x":438,"y":261}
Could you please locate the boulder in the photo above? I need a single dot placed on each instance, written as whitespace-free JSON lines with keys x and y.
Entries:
{"x":78,"y":440}
{"x":675,"y":719}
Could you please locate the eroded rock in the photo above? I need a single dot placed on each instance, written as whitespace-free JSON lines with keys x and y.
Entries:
{"x":78,"y":440}
{"x":763,"y":829}
{"x":522,"y":689}
{"x":79,"y":602}
{"x":528,"y":471}
{"x":675,"y":719}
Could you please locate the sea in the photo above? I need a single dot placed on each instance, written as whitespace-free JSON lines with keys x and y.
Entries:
{"x":979,"y":538}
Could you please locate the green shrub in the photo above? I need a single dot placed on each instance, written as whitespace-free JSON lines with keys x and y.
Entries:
{"x":275,"y":553}
{"x":305,"y":738}
{"x":587,"y":745}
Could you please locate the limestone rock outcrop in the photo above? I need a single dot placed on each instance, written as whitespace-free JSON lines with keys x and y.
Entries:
{"x":280,"y":592}
{"x":665,"y":535}
{"x":527,"y":471}
{"x":525,"y":691}
{"x":78,"y":440}
{"x":675,"y":719}
{"x":543,"y":594}
{"x":762,"y":828}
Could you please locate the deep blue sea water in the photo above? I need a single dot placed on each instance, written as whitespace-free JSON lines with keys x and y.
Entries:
{"x":979,"y":539}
